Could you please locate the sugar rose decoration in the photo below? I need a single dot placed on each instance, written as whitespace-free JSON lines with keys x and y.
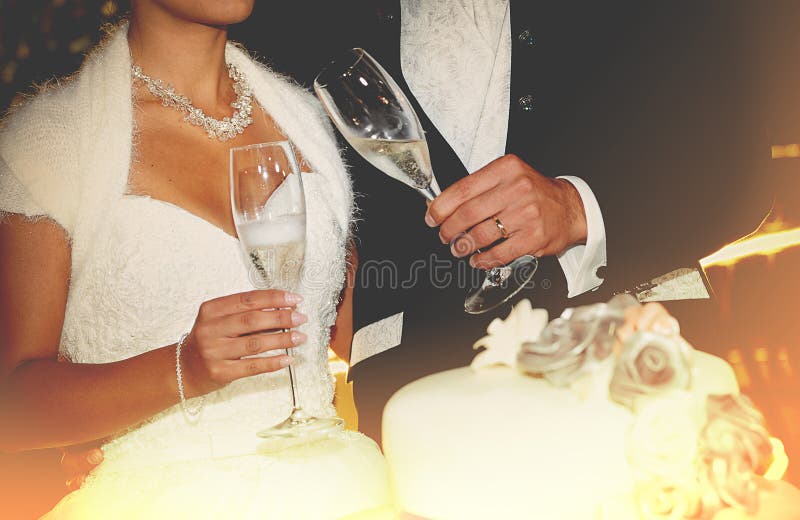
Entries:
{"x":662,"y":451}
{"x":649,"y":365}
{"x":576,"y":342}
{"x":734,"y":447}
{"x":691,"y":463}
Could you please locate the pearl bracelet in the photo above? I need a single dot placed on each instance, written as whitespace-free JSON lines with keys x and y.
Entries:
{"x":189,"y":411}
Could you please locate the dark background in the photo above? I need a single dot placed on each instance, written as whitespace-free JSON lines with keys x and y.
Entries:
{"x":45,"y":39}
{"x":757,"y":323}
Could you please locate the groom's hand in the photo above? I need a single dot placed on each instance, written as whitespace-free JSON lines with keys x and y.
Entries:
{"x":542,"y":216}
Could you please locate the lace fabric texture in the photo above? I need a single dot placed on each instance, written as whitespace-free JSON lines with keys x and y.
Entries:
{"x":376,"y":338}
{"x":456,"y":58}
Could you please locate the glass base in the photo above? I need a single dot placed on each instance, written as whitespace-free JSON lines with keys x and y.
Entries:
{"x":501,"y":284}
{"x":301,"y":426}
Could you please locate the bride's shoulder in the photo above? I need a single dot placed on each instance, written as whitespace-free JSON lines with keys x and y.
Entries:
{"x":55,"y":112}
{"x":42,"y":116}
{"x":62,"y":99}
{"x":57,"y":106}
{"x":62,"y":116}
{"x":39,"y":144}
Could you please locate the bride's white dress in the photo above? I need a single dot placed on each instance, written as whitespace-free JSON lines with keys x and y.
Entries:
{"x":141,"y":290}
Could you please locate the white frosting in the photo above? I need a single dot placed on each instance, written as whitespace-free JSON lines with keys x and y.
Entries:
{"x":494,"y":443}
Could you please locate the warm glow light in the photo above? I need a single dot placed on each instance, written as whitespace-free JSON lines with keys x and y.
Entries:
{"x":785,"y":151}
{"x":344,"y":401}
{"x":338,"y":367}
{"x":739,"y":368}
{"x":780,"y":461}
{"x":769,"y":239}
{"x":337,"y":364}
{"x":783,"y":359}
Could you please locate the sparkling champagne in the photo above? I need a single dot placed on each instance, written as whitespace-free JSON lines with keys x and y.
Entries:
{"x":275,"y":249}
{"x":406,"y":160}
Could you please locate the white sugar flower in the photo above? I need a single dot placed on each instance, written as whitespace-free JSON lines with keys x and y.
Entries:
{"x":523,"y":324}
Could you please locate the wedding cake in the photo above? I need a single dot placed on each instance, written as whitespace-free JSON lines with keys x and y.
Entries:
{"x":561,"y":421}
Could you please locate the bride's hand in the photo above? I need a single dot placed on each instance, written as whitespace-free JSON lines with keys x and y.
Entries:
{"x":78,"y":461}
{"x":232,"y":327}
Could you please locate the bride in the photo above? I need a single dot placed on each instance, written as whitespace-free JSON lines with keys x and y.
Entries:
{"x":117,"y":238}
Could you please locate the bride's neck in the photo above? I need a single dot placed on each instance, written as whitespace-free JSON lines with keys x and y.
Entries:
{"x":187,"y":55}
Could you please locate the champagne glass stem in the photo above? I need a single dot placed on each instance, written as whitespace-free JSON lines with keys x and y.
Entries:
{"x":430,"y":193}
{"x":295,"y":408}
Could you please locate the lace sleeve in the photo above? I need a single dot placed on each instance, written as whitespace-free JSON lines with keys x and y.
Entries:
{"x":38,"y":161}
{"x":14,"y":196}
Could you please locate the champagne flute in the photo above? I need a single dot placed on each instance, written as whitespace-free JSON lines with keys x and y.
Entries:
{"x":376,"y":118}
{"x":269,"y":212}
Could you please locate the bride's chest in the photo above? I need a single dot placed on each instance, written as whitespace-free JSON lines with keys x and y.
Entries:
{"x":176,"y":162}
{"x":153,"y":260}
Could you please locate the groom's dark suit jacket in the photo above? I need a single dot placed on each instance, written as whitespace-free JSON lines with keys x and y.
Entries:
{"x":652,"y":104}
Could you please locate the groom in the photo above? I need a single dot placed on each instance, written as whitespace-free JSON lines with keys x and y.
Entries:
{"x":639,"y":108}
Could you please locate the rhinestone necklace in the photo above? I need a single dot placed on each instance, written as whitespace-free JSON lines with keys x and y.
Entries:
{"x":228,"y":127}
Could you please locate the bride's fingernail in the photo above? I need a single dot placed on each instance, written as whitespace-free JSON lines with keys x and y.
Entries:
{"x":429,"y":220}
{"x":473,"y":262}
{"x":96,"y":457}
{"x":292,"y":298}
{"x":298,"y":318}
{"x":285,"y":362}
{"x":298,"y":337}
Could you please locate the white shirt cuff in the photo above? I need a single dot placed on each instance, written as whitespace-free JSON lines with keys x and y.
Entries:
{"x":580,"y":262}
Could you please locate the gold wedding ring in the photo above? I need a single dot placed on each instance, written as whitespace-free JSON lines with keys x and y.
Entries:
{"x":501,"y":227}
